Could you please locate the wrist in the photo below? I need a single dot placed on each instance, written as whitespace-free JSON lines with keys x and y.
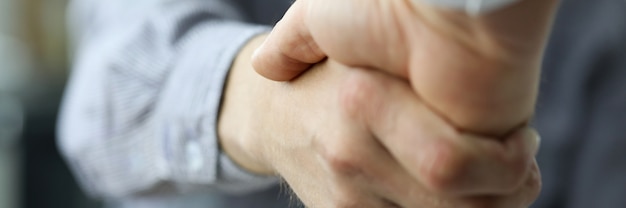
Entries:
{"x":511,"y":35}
{"x":480,"y":72}
{"x":236,"y":128}
{"x":470,"y":6}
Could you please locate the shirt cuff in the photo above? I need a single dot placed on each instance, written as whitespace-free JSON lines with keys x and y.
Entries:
{"x":236,"y":180}
{"x":206,"y":55}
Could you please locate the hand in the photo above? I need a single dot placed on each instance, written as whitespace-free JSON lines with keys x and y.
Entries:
{"x":465,"y":67}
{"x":346,"y":137}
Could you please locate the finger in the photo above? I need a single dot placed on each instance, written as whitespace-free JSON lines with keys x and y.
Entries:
{"x":458,"y":164}
{"x":391,"y":183}
{"x":529,"y":192}
{"x":432,"y":151}
{"x":411,"y":132}
{"x":362,"y":172}
{"x":364,"y":91}
{"x":289,"y":49}
{"x":494,"y":166}
{"x":523,"y":197}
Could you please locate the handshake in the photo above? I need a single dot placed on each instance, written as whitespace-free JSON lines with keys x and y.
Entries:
{"x":393,"y":103}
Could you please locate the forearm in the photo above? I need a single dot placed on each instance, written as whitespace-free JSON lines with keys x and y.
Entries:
{"x":142,"y":103}
{"x":238,"y":105}
{"x":482,"y":72}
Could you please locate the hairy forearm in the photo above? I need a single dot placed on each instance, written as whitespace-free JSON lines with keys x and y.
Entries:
{"x":482,"y":72}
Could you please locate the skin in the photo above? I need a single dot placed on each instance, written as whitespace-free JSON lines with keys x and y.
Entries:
{"x":364,"y":139}
{"x":466,"y":68}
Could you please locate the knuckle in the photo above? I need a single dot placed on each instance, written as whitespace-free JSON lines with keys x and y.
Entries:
{"x":358,"y":91}
{"x":341,"y":161}
{"x":515,"y":160}
{"x":444,"y":169}
{"x":516,"y":170}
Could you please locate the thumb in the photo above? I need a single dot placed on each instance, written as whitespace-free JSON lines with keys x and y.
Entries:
{"x":289,"y":49}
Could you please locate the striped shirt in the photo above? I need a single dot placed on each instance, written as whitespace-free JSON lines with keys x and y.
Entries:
{"x":138,"y":124}
{"x":139,"y":117}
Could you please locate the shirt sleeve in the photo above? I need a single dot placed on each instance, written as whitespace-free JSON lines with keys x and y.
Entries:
{"x":471,"y":6}
{"x":142,"y":103}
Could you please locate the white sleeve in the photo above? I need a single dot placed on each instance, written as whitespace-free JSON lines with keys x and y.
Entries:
{"x":471,"y":6}
{"x":142,"y":103}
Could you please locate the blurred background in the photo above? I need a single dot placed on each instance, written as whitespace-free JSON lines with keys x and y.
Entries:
{"x":33,"y":70}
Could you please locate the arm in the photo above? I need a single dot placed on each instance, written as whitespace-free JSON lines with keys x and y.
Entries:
{"x":363,"y":139}
{"x":468,"y":68}
{"x":126,"y":129}
{"x":142,"y":103}
{"x":482,"y":72}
